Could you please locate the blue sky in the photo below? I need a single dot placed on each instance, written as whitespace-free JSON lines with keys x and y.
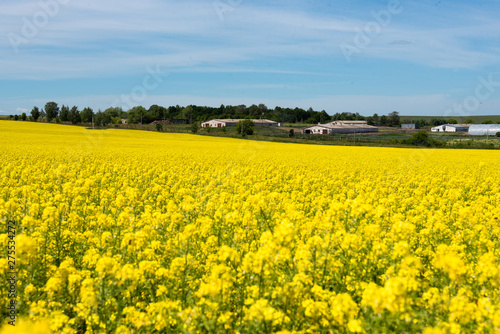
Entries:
{"x":429,"y":57}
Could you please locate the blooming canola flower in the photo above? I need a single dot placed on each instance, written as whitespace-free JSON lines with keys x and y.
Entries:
{"x":134,"y":232}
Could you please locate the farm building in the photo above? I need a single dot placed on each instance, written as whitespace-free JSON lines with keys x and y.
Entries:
{"x":450,"y":128}
{"x":325,"y":129}
{"x":219,"y":123}
{"x":409,"y":126}
{"x":348,"y":123}
{"x":319,"y":129}
{"x":484,"y":129}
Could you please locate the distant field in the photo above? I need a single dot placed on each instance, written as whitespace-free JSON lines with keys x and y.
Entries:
{"x":387,"y":136}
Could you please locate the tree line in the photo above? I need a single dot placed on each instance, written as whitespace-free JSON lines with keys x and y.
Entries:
{"x":192,"y":113}
{"x":189,"y":114}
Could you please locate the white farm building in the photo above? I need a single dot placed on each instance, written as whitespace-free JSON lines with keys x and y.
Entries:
{"x":348,"y":123}
{"x":319,"y":129}
{"x":484,"y":129}
{"x":450,"y":128}
{"x":324,"y":129}
{"x":220,"y":123}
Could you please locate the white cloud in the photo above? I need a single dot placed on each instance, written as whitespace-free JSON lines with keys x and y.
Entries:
{"x":94,"y":38}
{"x":105,"y":37}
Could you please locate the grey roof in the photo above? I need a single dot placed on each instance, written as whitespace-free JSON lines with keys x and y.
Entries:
{"x":484,"y":129}
{"x":237,"y":120}
{"x":334,"y":126}
{"x":345,"y":122}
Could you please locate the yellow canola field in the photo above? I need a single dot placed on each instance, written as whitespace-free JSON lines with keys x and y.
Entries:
{"x":124,"y":231}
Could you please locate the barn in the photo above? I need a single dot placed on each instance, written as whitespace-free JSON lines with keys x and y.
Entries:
{"x":220,"y":123}
{"x":319,"y":129}
{"x":450,"y":128}
{"x":324,"y":129}
{"x":411,"y":126}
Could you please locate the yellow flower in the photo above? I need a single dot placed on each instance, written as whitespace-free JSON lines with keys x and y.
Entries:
{"x":135,"y":231}
{"x":30,"y":289}
{"x":106,"y":266}
{"x":261,"y":311}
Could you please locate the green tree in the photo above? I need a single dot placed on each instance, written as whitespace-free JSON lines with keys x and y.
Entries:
{"x":469,"y":121}
{"x":245,"y":127}
{"x":324,"y":117}
{"x":488,"y":121}
{"x":254,"y":110}
{"x":51,"y":110}
{"x":64,"y":113}
{"x":102,"y":118}
{"x":156,"y":112}
{"x":16,"y":117}
{"x":35,"y":113}
{"x":195,"y":127}
{"x":451,"y":121}
{"x":113,"y":112}
{"x":86,"y":115}
{"x":437,"y":121}
{"x":159,"y":126}
{"x":421,"y":138}
{"x":263,"y":108}
{"x":136,"y":115}
{"x":497,"y":134}
{"x":291,"y":133}
{"x":188,"y":113}
{"x":74,"y":115}
{"x":23,"y":116}
{"x":241,"y":109}
{"x":394,"y":119}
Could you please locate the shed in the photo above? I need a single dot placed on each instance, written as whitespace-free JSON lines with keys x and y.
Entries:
{"x":484,"y":129}
{"x":456,"y":127}
{"x":220,"y":123}
{"x":324,"y":129}
{"x":411,"y":126}
{"x":450,"y":128}
{"x":439,"y":128}
{"x":319,"y":129}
